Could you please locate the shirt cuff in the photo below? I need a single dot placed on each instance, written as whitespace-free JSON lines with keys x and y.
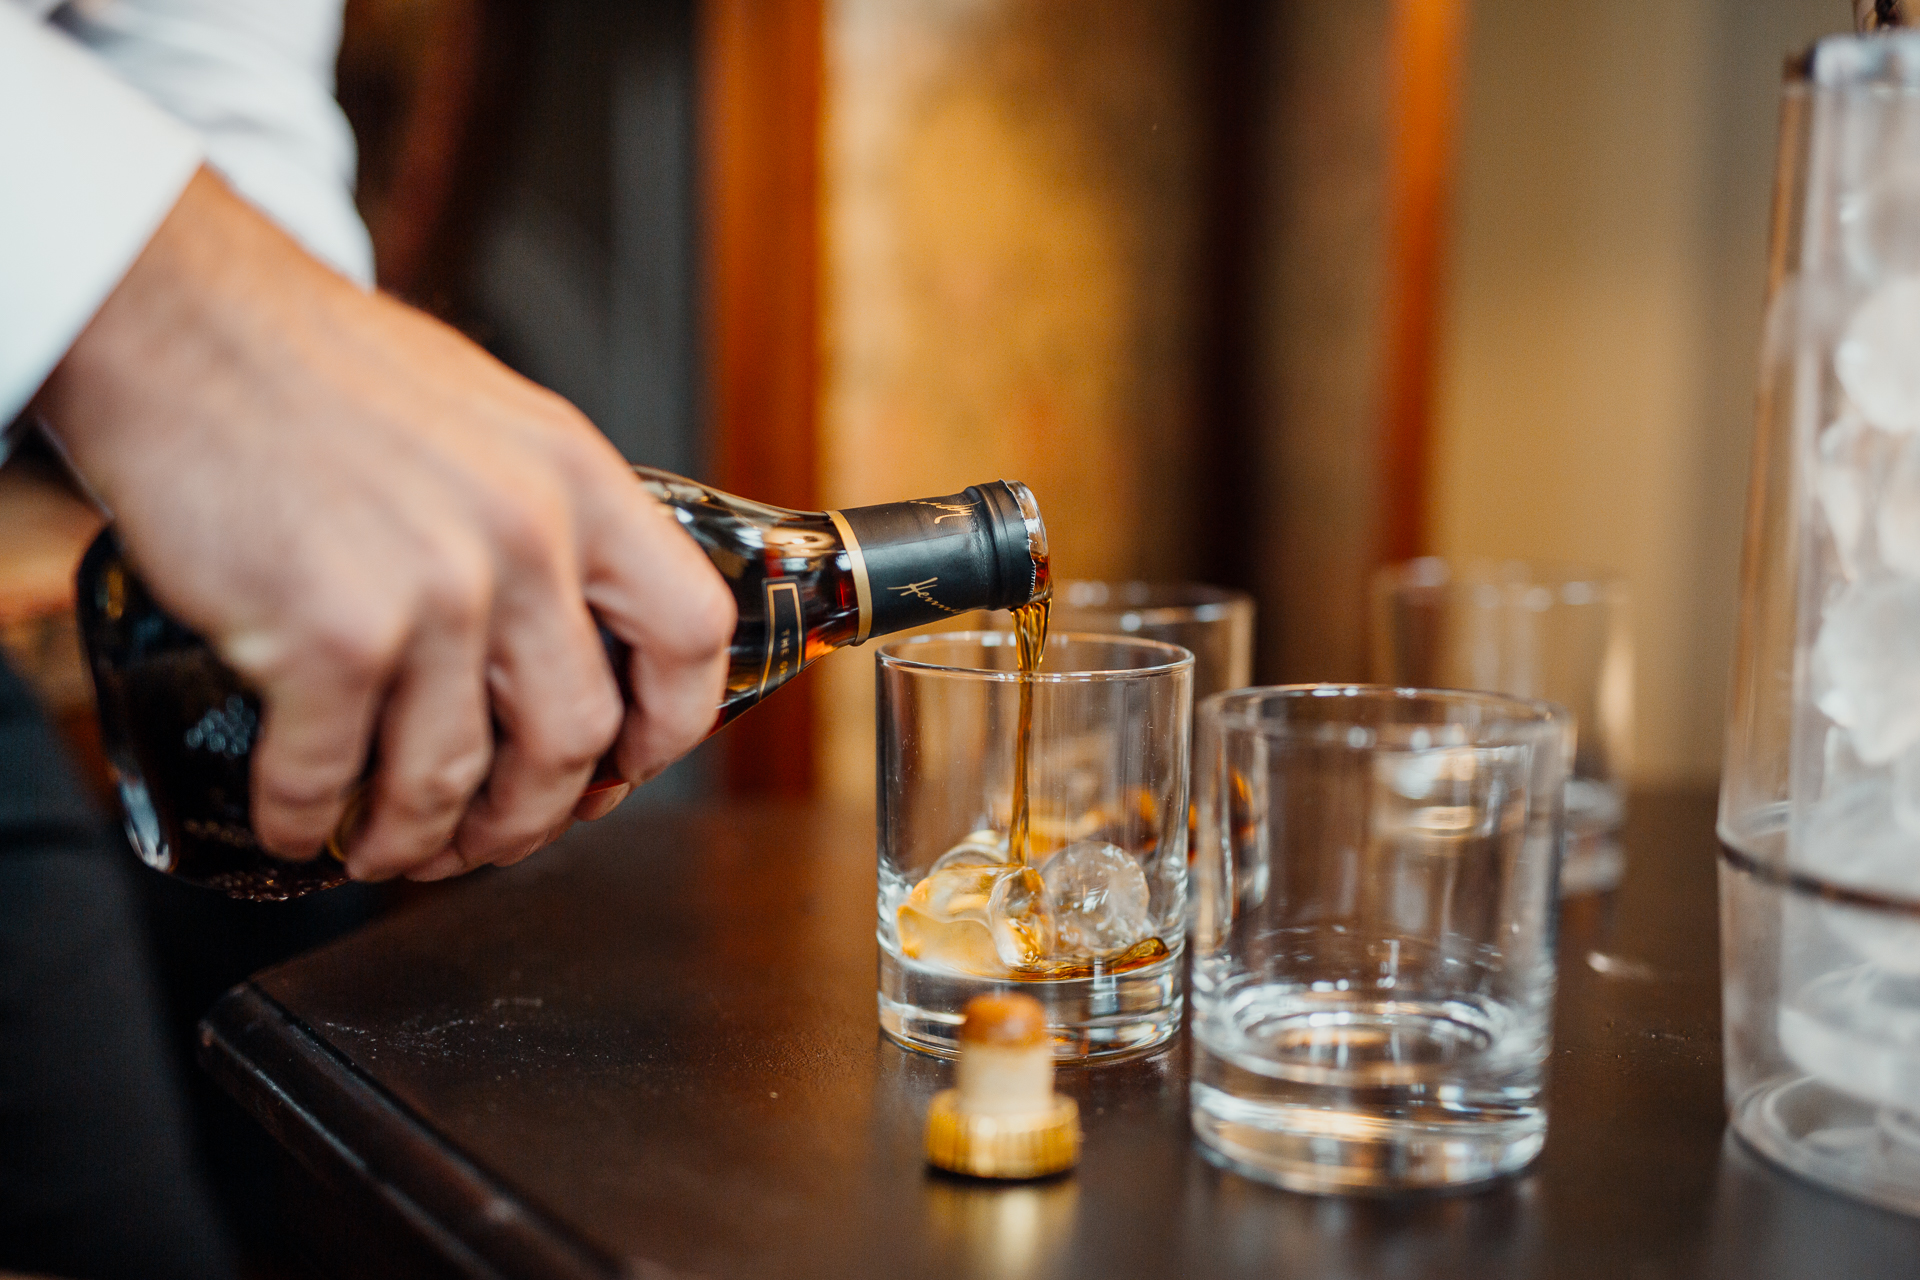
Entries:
{"x":89,"y":169}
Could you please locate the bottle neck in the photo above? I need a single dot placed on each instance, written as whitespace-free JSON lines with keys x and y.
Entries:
{"x":932,"y":558}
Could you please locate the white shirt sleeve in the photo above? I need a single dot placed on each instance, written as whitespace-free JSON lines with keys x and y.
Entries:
{"x":255,"y":81}
{"x":88,"y":169}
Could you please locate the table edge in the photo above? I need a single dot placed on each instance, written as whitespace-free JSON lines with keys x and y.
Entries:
{"x":360,"y":1142}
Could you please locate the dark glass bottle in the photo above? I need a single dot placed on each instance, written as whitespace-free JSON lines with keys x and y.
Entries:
{"x":178,"y":726}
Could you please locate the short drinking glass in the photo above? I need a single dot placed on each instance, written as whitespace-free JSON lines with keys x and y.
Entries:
{"x":1533,"y":630}
{"x":1373,"y":934}
{"x":1214,"y":624}
{"x":1091,"y":918}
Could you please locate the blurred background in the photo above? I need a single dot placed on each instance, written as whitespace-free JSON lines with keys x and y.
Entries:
{"x":1262,"y":294}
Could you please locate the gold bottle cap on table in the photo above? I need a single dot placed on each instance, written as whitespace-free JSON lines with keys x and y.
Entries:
{"x":1003,"y":1119}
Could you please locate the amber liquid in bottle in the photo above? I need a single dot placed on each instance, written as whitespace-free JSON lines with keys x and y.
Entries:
{"x":178,"y":726}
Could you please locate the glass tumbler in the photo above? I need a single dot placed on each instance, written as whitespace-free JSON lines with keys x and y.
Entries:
{"x":1373,"y":930}
{"x":1089,"y":917}
{"x":1820,"y":793}
{"x":1212,"y":623}
{"x":1534,"y":631}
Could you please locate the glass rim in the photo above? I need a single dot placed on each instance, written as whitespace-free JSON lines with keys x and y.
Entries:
{"x":1435,"y":573}
{"x":893,"y":654}
{"x":1517,"y":713}
{"x":1209,"y":603}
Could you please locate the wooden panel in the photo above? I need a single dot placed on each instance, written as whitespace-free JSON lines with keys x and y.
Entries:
{"x":408,"y":78}
{"x":1093,"y":262}
{"x":760,"y":64}
{"x":1012,"y":214}
{"x":1338,"y":193}
{"x":1426,"y":63}
{"x":431,"y":88}
{"x":1318,"y":277}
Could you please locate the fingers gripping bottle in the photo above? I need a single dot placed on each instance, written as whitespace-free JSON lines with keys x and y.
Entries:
{"x":178,"y":726}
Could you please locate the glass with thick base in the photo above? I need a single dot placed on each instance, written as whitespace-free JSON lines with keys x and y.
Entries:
{"x":1082,"y":906}
{"x":1373,"y":926}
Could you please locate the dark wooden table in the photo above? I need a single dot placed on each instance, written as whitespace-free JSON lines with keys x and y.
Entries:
{"x":652,"y":1052}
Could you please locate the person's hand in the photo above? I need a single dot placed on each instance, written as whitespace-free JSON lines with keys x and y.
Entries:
{"x":394,"y":539}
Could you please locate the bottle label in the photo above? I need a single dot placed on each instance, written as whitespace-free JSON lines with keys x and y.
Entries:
{"x":926,"y":560}
{"x":786,"y":634}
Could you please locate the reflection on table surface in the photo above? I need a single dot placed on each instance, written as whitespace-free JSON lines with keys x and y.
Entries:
{"x":652,"y":1050}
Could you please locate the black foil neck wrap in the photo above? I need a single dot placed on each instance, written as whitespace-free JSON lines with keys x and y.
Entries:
{"x":936,"y":558}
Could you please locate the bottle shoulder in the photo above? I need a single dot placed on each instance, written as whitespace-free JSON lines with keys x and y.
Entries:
{"x":683,"y":494}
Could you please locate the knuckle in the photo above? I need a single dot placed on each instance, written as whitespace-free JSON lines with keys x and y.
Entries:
{"x":602,"y":726}
{"x":715,"y":615}
{"x":578,"y":446}
{"x":455,"y":863}
{"x":674,"y":741}
{"x":637,"y":761}
{"x":704,"y":619}
{"x":446,"y":787}
{"x":522,"y":850}
{"x":362,"y":644}
{"x":526,"y":530}
{"x":392,"y":845}
{"x":459,"y":590}
{"x":286,"y":792}
{"x":576,"y":737}
{"x":291,"y":847}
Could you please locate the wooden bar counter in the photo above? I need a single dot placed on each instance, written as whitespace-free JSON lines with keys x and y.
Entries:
{"x":651,"y":1052}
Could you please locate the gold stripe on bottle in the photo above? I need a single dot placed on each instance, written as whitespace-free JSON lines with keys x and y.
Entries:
{"x":786,"y":634}
{"x":862,"y":590}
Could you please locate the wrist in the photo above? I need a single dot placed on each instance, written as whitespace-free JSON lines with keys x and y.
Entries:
{"x":183,"y":321}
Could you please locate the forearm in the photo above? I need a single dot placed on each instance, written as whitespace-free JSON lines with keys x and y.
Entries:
{"x":187,"y":313}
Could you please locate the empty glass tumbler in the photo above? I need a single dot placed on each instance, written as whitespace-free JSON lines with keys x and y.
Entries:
{"x":1085,"y":911}
{"x":1820,"y":794}
{"x":1214,"y":624}
{"x":1373,"y":929}
{"x":1534,"y":631}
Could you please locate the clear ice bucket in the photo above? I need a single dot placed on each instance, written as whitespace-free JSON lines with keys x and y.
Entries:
{"x":1820,"y":795}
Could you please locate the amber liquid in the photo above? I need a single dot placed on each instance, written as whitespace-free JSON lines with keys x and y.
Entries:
{"x":1030,"y":634}
{"x":1138,"y":956}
